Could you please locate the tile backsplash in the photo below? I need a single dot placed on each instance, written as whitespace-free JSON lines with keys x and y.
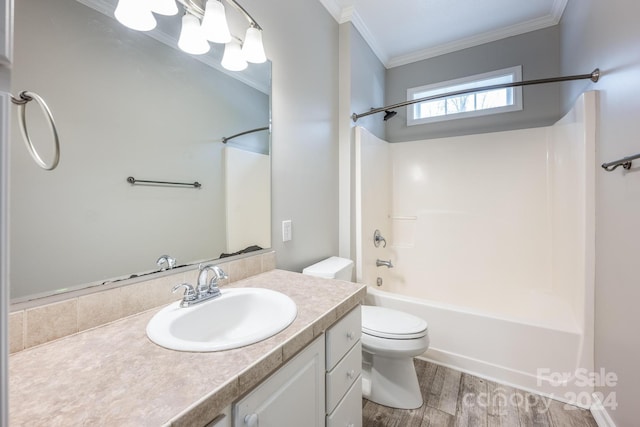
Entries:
{"x":48,"y":322}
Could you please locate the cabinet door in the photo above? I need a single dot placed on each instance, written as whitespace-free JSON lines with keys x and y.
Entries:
{"x":293,"y":396}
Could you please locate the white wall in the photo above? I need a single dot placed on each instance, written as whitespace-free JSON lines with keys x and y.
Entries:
{"x":606,"y":35}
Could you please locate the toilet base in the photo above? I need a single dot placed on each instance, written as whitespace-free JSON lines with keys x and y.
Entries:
{"x":391,"y":382}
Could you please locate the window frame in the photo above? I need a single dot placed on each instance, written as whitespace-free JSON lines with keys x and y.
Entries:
{"x":516,"y":72}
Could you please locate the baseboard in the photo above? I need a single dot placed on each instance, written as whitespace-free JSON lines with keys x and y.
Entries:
{"x":600,"y":414}
{"x":503,"y":375}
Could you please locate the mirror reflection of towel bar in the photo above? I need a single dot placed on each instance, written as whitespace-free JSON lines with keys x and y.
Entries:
{"x":132,"y":180}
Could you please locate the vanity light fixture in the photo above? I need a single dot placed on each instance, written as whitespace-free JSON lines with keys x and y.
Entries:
{"x":203,"y":21}
{"x":233,"y":59}
{"x":214,"y":23}
{"x":191,"y":37}
{"x":135,"y":15}
{"x":163,"y":7}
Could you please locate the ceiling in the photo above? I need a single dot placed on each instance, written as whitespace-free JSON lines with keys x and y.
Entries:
{"x":405,"y":31}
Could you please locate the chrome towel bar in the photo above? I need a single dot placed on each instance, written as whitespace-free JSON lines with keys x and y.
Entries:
{"x":625,"y":162}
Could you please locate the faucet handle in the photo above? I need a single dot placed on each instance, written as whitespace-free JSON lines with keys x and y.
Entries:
{"x":189,"y":292}
{"x":220,"y":274}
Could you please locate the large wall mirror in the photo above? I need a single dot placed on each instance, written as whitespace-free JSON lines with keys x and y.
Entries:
{"x":128,"y":103}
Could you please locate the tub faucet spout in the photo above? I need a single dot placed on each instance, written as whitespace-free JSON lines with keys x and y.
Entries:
{"x":381,"y":263}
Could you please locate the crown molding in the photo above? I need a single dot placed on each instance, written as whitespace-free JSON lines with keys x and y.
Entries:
{"x":350,"y":14}
{"x":334,"y":9}
{"x":558,"y":9}
{"x":514,"y":30}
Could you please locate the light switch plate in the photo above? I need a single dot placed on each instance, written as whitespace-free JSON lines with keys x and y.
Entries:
{"x":286,"y":230}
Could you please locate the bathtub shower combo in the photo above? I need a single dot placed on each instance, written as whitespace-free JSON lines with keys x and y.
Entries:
{"x":491,"y":239}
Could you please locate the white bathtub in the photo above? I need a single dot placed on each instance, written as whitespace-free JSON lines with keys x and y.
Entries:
{"x":507,"y":350}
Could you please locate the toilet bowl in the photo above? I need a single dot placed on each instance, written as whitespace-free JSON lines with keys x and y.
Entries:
{"x":390,"y":341}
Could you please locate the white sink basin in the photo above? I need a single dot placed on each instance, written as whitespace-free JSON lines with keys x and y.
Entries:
{"x":239,"y":317}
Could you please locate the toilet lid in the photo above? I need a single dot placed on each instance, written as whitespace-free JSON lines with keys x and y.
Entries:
{"x":387,"y":323}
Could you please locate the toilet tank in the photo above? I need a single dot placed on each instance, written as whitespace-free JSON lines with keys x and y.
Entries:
{"x":331,"y":268}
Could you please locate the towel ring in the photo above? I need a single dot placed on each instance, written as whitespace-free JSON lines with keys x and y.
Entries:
{"x":21,"y":102}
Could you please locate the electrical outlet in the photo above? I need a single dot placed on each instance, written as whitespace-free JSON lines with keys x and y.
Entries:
{"x":286,"y":230}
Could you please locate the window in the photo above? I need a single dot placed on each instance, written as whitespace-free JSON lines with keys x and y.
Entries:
{"x":467,"y":105}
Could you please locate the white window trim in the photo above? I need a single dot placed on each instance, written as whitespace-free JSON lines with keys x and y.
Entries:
{"x":516,"y":106}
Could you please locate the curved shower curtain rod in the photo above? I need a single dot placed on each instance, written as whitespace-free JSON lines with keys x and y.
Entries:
{"x":594,"y":76}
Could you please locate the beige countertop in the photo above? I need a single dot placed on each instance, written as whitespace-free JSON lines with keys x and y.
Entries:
{"x":114,"y":375}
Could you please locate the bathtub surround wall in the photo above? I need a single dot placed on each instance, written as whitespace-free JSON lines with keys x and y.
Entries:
{"x":539,"y":54}
{"x":247,"y":181}
{"x":373,"y":201}
{"x":606,"y":34}
{"x":37,"y":325}
{"x":492,"y":238}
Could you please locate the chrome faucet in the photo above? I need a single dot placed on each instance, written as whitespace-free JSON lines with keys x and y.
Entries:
{"x":168,"y":260}
{"x":381,"y":263}
{"x":205,"y":289}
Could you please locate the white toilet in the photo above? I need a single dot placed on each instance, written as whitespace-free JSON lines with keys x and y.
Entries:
{"x":390,"y":340}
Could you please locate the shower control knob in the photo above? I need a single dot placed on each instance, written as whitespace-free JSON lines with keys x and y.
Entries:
{"x":251,"y":420}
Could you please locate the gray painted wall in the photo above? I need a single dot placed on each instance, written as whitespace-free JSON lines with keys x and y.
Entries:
{"x":367,"y":83}
{"x":301,"y":39}
{"x":539,"y":54}
{"x":607,"y":35}
{"x":361,"y":87}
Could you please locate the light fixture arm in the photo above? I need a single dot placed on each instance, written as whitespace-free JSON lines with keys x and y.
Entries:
{"x":196,"y":8}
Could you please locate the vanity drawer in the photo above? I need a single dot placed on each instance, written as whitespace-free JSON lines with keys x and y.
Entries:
{"x":349,"y":411}
{"x":342,"y":336}
{"x":343,"y":376}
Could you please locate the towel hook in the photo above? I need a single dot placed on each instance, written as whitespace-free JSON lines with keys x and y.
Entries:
{"x":21,"y":102}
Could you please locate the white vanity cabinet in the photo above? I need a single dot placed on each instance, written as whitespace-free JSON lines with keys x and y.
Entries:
{"x":321,"y":386}
{"x":293,"y":396}
{"x":343,"y":368}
